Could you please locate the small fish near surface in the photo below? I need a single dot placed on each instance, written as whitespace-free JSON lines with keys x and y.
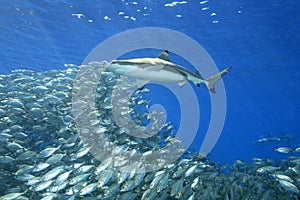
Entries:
{"x":275,"y":139}
{"x":161,"y":69}
{"x":284,"y":150}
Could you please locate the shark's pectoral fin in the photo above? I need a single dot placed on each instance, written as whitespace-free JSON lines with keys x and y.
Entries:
{"x":141,"y":83}
{"x":182,"y":83}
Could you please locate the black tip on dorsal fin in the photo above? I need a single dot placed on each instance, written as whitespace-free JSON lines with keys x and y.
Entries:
{"x":198,"y":73}
{"x":164,"y":55}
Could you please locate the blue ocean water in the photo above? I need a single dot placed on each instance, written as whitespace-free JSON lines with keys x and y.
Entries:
{"x":259,"y":39}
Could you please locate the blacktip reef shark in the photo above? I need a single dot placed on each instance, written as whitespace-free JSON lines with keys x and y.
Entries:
{"x":161,"y":69}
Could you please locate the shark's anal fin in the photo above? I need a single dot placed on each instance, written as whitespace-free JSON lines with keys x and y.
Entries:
{"x":141,"y":83}
{"x":182,"y":83}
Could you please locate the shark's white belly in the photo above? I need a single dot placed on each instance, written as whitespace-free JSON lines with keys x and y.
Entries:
{"x":161,"y":75}
{"x":147,"y":73}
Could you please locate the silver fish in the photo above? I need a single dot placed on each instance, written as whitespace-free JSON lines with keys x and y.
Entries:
{"x":49,"y":196}
{"x":40,"y":167}
{"x":6,"y":159}
{"x":284,"y":150}
{"x":139,"y":177}
{"x":269,"y":169}
{"x":53,"y":173}
{"x":104,"y":178}
{"x":282,"y":177}
{"x":128,"y":196}
{"x":24,"y":170}
{"x":85,"y":168}
{"x":62,"y":177}
{"x":82,"y":152}
{"x":190,"y":171}
{"x":76,"y":188}
{"x":123,"y":176}
{"x":33,"y":180}
{"x":195,"y":182}
{"x":54,"y":158}
{"x":127,"y":186}
{"x":162,"y":183}
{"x":176,"y":187}
{"x":149,"y":195}
{"x":156,"y":180}
{"x":19,"y":136}
{"x":88,"y":189}
{"x":57,"y":188}
{"x":42,"y":186}
{"x":111,"y":191}
{"x":12,"y":196}
{"x":47,"y":152}
{"x":4,"y":136}
{"x":288,"y":186}
{"x":79,"y":178}
{"x":77,"y":165}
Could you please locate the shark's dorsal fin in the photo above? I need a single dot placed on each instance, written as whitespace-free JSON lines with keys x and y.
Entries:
{"x":164,"y":56}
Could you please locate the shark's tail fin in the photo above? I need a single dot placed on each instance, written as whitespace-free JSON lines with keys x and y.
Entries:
{"x":211,"y":81}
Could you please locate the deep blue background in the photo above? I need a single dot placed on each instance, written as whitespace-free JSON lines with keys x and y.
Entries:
{"x":260,"y":39}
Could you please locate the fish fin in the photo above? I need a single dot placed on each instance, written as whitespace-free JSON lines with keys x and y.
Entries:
{"x":198,"y":73}
{"x":141,"y":83}
{"x":182,"y":83}
{"x":164,"y":55}
{"x":211,"y":81}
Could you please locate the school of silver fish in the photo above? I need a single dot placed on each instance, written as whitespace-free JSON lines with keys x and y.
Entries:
{"x":43,"y":157}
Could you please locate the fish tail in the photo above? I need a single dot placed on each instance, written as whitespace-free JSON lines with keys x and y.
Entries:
{"x":211,"y":81}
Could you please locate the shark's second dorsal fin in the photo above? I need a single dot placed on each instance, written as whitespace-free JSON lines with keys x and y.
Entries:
{"x":198,"y":73}
{"x":164,"y":56}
